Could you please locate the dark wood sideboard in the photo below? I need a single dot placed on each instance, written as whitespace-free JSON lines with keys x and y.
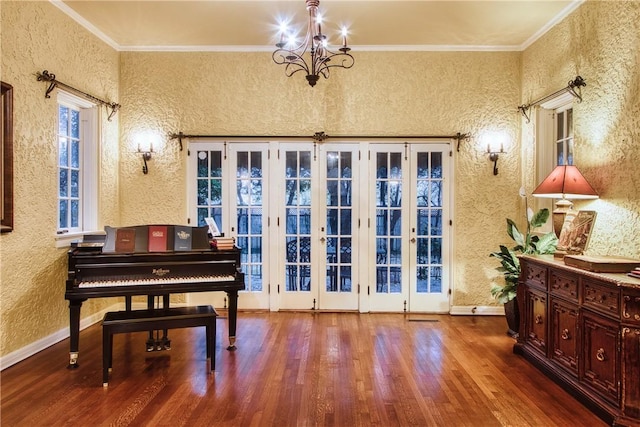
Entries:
{"x":582,"y":329}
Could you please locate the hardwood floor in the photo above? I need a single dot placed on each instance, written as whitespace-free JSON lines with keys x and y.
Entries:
{"x":296,"y":369}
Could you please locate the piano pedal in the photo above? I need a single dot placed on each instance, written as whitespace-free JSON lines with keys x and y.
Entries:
{"x":166,"y":344}
{"x":151,"y":345}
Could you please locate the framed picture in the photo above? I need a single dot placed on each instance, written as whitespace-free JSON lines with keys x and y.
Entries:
{"x":6,"y":163}
{"x":576,"y":231}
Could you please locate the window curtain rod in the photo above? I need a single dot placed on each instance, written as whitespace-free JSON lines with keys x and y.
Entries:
{"x":321,"y":136}
{"x":46,"y":76}
{"x":573,"y":87}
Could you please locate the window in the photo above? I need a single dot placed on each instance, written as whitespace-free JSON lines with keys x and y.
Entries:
{"x":564,"y":136}
{"x":554,"y":134}
{"x":77,"y":167}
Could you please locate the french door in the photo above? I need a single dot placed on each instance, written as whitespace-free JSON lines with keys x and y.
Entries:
{"x":408,"y":200}
{"x":333,"y":226}
{"x":229,"y":181}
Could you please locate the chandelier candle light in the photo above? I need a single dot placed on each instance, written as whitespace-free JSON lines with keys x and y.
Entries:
{"x":321,"y":59}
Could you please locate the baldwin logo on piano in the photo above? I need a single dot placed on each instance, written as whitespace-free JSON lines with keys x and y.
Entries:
{"x":160,"y":272}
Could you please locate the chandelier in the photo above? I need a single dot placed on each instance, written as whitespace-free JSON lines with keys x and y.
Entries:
{"x":292,"y":54}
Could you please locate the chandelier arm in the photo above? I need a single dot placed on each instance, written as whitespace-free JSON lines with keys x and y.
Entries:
{"x":289,"y":59}
{"x":346,"y":61}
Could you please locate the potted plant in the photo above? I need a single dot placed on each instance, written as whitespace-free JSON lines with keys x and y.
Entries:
{"x":527,"y":243}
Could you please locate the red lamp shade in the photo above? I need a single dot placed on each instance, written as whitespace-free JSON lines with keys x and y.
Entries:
{"x":565,"y":182}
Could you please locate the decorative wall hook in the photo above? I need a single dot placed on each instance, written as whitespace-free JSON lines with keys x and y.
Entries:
{"x":460,"y":136}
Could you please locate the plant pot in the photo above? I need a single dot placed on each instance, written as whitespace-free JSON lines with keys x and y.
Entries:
{"x":512,"y":314}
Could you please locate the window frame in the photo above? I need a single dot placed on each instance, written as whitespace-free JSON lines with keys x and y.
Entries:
{"x":89,"y":168}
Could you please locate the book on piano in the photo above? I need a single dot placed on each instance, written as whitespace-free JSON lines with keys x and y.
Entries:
{"x":125,"y":240}
{"x":158,"y":238}
{"x":182,"y":238}
{"x":224,"y":243}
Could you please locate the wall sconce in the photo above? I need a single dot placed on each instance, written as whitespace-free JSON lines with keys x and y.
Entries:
{"x":146,"y":155}
{"x":493,"y":156}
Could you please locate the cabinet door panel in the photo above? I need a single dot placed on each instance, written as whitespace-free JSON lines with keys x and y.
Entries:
{"x":565,"y":335}
{"x":536,"y":310}
{"x":631,"y":364}
{"x":601,"y":359}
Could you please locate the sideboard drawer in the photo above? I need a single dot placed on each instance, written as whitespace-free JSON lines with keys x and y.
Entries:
{"x":631,"y":307}
{"x":564,"y":285}
{"x":601,"y":298}
{"x":535,"y":275}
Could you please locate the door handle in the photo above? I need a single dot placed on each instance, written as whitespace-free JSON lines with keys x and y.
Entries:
{"x":413,"y":240}
{"x":322,"y":240}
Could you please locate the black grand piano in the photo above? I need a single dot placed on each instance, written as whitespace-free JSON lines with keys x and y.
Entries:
{"x":95,"y":271}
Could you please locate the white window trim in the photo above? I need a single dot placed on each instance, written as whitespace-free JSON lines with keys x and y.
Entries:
{"x":90,"y":119}
{"x":545,"y":137}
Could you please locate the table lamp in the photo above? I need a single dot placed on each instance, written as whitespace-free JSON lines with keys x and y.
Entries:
{"x":564,"y":183}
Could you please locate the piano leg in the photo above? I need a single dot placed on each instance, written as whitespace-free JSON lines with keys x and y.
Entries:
{"x":165,"y":343}
{"x":233,"y":316}
{"x":74,"y":332}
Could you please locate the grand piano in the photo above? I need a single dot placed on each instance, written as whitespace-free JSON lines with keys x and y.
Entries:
{"x":95,"y":271}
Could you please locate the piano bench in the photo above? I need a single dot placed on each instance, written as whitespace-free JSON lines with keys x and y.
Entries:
{"x":116,"y":322}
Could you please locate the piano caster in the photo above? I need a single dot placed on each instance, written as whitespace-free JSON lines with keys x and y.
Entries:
{"x":73,"y":361}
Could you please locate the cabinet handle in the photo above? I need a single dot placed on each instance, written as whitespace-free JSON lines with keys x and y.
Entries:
{"x":600,"y":354}
{"x":538,"y":319}
{"x":565,"y":334}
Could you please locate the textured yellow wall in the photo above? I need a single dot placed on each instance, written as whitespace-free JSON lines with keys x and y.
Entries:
{"x":601,"y":43}
{"x":245,"y":93}
{"x":37,"y":36}
{"x":419,"y":93}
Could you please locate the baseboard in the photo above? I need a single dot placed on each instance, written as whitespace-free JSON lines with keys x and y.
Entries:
{"x":473,"y":310}
{"x":37,"y":346}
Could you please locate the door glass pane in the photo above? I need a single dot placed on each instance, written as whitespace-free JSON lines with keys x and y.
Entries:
{"x":388,"y":222}
{"x":429,"y":187}
{"x":339,"y":221}
{"x":209,"y":186}
{"x":249,"y":217}
{"x":298,"y":221}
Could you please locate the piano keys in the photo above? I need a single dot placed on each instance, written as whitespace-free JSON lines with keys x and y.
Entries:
{"x":95,"y":274}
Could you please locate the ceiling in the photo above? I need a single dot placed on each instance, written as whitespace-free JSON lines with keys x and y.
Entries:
{"x":241,"y":25}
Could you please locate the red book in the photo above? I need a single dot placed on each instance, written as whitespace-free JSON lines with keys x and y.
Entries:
{"x":158,"y":238}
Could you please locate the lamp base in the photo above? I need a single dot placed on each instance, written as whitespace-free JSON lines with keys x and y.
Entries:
{"x":559,"y":214}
